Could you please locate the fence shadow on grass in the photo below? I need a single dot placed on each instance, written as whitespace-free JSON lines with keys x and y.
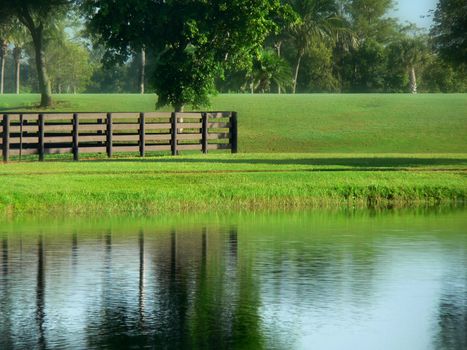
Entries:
{"x":363,"y":162}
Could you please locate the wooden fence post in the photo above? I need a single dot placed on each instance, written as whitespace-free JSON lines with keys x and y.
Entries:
{"x":174,"y":132}
{"x":21,"y":121}
{"x":204,"y":132}
{"x":109,"y":135}
{"x":41,"y":137}
{"x":142,"y":131}
{"x":6,"y":137}
{"x":75,"y":137}
{"x":234,"y":132}
{"x":99,"y":132}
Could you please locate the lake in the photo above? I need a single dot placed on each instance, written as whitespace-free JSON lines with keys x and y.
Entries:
{"x":342,"y":279}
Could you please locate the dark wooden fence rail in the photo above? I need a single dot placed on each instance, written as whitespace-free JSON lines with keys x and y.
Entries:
{"x":77,"y":133}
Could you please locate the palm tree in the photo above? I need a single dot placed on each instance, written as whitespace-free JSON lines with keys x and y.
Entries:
{"x":269,"y":69}
{"x":276,"y":41}
{"x":410,"y":53}
{"x":319,"y":20}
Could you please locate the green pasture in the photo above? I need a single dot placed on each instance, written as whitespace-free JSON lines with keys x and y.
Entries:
{"x":231,"y":182}
{"x":317,"y":123}
{"x":295,"y":152}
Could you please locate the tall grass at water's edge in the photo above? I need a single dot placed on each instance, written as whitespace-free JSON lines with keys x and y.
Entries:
{"x":142,"y":187}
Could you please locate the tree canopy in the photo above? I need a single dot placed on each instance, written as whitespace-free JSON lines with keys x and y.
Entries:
{"x":450,"y":30}
{"x":36,"y":15}
{"x":194,"y":40}
{"x":187,"y":50}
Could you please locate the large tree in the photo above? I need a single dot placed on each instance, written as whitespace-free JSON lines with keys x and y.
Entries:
{"x":319,"y":21}
{"x":450,"y":30}
{"x":359,"y":62}
{"x":36,"y":15}
{"x":195,"y":40}
{"x":370,"y":20}
{"x":68,"y":65}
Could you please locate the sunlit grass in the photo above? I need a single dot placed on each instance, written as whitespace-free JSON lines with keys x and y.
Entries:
{"x":296,"y":151}
{"x":364,"y":123}
{"x":223,"y":181}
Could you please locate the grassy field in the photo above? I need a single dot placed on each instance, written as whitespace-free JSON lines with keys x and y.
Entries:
{"x":226,"y":182}
{"x":296,"y":152}
{"x":367,"y":123}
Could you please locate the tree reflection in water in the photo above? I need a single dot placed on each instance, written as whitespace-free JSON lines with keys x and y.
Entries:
{"x":452,"y":315}
{"x":198,"y":303}
{"x":141,"y":280}
{"x":271,"y":283}
{"x":109,"y":328}
{"x":40,"y":294}
{"x":5,"y":322}
{"x":74,"y":249}
{"x":5,"y":256}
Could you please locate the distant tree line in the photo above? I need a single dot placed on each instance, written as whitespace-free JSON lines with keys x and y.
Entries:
{"x":186,"y":51}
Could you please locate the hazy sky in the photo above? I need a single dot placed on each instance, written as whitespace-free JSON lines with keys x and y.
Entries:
{"x":412,"y":10}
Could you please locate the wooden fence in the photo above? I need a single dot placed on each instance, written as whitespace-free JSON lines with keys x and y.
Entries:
{"x":76,"y":133}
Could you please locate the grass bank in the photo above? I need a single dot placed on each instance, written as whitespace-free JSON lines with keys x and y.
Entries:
{"x":296,"y":151}
{"x":231,"y":182}
{"x":324,"y":123}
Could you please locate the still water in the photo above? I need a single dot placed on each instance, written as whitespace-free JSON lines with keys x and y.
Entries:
{"x":316,"y":280}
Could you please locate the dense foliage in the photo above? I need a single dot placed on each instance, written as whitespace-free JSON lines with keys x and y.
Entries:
{"x":186,"y":51}
{"x":450,"y":30}
{"x":37,"y":16}
{"x":193,"y":41}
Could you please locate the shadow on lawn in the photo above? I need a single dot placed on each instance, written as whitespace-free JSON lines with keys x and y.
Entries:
{"x":351,"y":162}
{"x":19,"y":109}
{"x":33,"y":107}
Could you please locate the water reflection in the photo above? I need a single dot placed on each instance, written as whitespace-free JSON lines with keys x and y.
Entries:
{"x":5,"y":256}
{"x":300,"y":281}
{"x":141,"y":279}
{"x":40,"y":293}
{"x":74,"y":249}
{"x":452,"y":314}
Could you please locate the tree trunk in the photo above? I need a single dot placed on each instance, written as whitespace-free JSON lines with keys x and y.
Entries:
{"x":3,"y":48}
{"x":297,"y":69}
{"x":2,"y":73}
{"x":17,"y":58}
{"x":142,"y":71}
{"x":44,"y":82}
{"x":179,"y":108}
{"x":278,"y":46}
{"x":413,"y":81}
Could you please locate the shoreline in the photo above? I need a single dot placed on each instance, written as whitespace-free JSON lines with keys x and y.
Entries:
{"x":30,"y":223}
{"x":224,"y":182}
